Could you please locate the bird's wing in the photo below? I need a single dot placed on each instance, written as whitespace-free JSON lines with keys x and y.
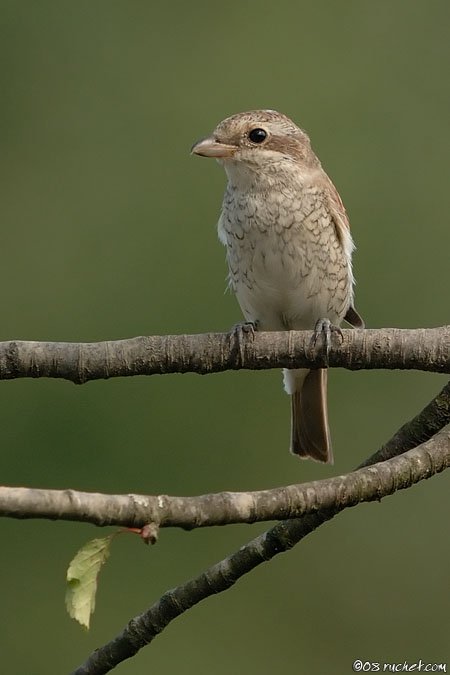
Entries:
{"x":337,"y":211}
{"x":342,"y":225}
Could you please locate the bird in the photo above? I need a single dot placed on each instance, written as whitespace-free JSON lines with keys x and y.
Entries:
{"x":289,"y":250}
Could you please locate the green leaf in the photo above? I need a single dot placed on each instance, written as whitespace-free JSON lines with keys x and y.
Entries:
{"x":82,"y":577}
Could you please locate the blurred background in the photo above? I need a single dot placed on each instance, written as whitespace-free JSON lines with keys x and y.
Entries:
{"x":108,"y":231}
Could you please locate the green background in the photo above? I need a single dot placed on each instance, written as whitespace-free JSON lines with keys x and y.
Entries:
{"x":108,"y":231}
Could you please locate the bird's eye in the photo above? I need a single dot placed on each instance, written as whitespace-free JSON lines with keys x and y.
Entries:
{"x":257,"y":135}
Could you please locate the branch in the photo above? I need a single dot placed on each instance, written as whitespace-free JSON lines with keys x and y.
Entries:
{"x":221,"y":508}
{"x":421,"y":349}
{"x":224,"y":508}
{"x":141,"y":630}
{"x":435,"y":416}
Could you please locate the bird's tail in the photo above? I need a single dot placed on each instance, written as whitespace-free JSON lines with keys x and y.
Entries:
{"x":310,"y":433}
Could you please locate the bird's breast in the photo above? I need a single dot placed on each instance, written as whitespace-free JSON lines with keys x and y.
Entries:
{"x":286,"y":263}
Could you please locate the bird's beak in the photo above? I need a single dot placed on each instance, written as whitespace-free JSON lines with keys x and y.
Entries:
{"x":210,"y":147}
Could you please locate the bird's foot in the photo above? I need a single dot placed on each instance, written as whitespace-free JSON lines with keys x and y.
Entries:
{"x":324,"y":329}
{"x":240,"y":333}
{"x":244,"y":328}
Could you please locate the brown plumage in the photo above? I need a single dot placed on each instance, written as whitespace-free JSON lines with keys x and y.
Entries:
{"x":289,"y":248}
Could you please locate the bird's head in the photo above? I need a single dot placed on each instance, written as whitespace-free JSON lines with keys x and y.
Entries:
{"x":261,"y":142}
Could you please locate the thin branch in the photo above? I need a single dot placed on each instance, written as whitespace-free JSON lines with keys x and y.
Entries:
{"x":435,"y":416}
{"x":224,"y":508}
{"x":141,"y":630}
{"x":421,"y":349}
{"x":134,"y":510}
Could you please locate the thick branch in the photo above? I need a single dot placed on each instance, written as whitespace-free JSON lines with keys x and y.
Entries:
{"x":420,"y":349}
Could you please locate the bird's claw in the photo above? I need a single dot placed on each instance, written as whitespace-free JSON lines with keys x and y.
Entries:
{"x":244,"y":328}
{"x":324,"y":329}
{"x":240,"y":333}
